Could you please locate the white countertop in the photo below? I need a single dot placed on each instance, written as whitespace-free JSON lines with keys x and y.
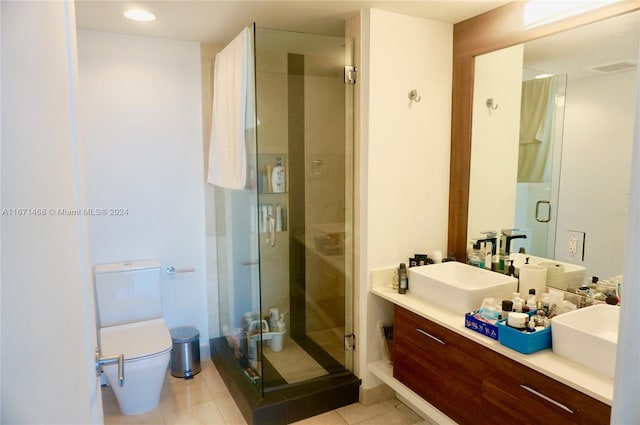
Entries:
{"x":596,"y":385}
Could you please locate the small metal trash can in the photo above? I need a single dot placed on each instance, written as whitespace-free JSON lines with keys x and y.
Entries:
{"x":185,"y":354}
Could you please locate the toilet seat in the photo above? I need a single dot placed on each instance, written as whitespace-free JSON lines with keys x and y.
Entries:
{"x":136,"y":340}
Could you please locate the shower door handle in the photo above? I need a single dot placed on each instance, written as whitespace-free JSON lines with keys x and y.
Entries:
{"x":543,"y":220}
{"x":119,"y":358}
{"x":271,"y":236}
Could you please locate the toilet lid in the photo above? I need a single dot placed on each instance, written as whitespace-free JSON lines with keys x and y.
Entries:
{"x":135,"y":340}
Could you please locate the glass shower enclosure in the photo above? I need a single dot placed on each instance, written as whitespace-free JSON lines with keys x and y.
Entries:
{"x":284,"y":245}
{"x":538,"y":184}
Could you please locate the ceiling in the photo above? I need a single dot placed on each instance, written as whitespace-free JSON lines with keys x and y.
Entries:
{"x":575,"y":52}
{"x":219,"y":21}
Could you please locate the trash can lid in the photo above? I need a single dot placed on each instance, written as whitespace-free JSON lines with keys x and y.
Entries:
{"x":184,"y":334}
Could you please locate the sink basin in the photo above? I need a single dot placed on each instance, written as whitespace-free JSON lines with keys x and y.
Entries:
{"x":573,"y":274}
{"x":588,"y":336}
{"x":458,"y":286}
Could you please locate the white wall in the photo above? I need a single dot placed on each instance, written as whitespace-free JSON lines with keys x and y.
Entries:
{"x":495,"y":135}
{"x":596,"y":159}
{"x":141,"y":116}
{"x":408,"y":143}
{"x":48,"y":332}
{"x":405,"y":150}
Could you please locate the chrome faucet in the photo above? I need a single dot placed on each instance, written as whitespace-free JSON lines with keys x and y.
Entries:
{"x":506,"y":236}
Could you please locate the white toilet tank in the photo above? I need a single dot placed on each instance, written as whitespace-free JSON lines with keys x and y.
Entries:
{"x":128,"y":292}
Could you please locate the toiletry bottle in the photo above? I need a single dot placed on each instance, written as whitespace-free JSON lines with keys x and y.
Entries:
{"x":488,"y":251}
{"x":546,"y":300}
{"x":474,"y":257}
{"x":395,"y":281}
{"x":531,"y":301}
{"x":278,"y":177}
{"x":507,"y":307}
{"x":281,"y":324}
{"x":403,"y":279}
{"x":278,"y":218}
{"x":269,"y":174}
{"x":517,"y":302}
{"x":284,"y":219}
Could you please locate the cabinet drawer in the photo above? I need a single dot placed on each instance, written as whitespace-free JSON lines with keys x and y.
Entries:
{"x":514,"y":391}
{"x":428,"y":361}
{"x":408,"y":323}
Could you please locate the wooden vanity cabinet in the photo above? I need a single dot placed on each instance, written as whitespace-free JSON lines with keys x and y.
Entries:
{"x":515,"y":392}
{"x":473,"y":384}
{"x":439,"y":365}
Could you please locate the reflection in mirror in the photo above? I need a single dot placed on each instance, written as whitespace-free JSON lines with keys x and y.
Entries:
{"x":539,"y":150}
{"x":554,"y":161}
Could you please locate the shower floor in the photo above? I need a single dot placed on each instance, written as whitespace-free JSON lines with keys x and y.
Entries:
{"x":293,"y":363}
{"x":331,"y":341}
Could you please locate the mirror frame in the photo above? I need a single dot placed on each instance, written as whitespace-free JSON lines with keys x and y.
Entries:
{"x":496,"y":29}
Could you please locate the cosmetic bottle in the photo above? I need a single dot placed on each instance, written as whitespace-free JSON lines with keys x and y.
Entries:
{"x":488,"y":251}
{"x":403,"y":279}
{"x":531,"y":301}
{"x":277,"y":178}
{"x":507,"y":307}
{"x":517,"y":302}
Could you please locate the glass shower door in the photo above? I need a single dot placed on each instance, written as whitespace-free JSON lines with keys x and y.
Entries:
{"x":539,"y":165}
{"x":304,"y":210}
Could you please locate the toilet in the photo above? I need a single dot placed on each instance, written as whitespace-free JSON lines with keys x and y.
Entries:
{"x":129,"y":297}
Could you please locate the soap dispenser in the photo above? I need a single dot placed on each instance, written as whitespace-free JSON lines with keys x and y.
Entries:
{"x":512,"y":269}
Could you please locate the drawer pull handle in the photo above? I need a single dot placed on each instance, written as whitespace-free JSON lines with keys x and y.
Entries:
{"x":430,"y":336}
{"x":550,"y":400}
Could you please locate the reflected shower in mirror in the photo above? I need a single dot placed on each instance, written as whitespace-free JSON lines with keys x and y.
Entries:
{"x":554,"y":159}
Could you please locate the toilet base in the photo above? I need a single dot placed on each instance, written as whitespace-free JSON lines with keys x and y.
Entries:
{"x":143,"y":381}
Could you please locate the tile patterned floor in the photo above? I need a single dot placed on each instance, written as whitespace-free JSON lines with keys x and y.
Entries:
{"x":205,"y":400}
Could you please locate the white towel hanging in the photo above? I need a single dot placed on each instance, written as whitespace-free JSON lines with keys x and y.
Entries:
{"x":233,"y":113}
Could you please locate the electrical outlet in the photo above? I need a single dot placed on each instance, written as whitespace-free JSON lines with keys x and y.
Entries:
{"x":572,"y":246}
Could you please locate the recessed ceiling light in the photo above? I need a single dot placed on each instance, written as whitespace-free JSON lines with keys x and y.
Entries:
{"x":140,"y":15}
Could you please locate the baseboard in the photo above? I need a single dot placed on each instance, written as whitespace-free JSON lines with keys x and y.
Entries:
{"x":376,"y":394}
{"x":205,"y":352}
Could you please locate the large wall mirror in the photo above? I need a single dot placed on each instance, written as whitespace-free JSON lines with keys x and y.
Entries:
{"x":568,"y":175}
{"x":551,"y":155}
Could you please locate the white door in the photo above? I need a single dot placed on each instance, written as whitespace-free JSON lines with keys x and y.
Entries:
{"x":48,"y":319}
